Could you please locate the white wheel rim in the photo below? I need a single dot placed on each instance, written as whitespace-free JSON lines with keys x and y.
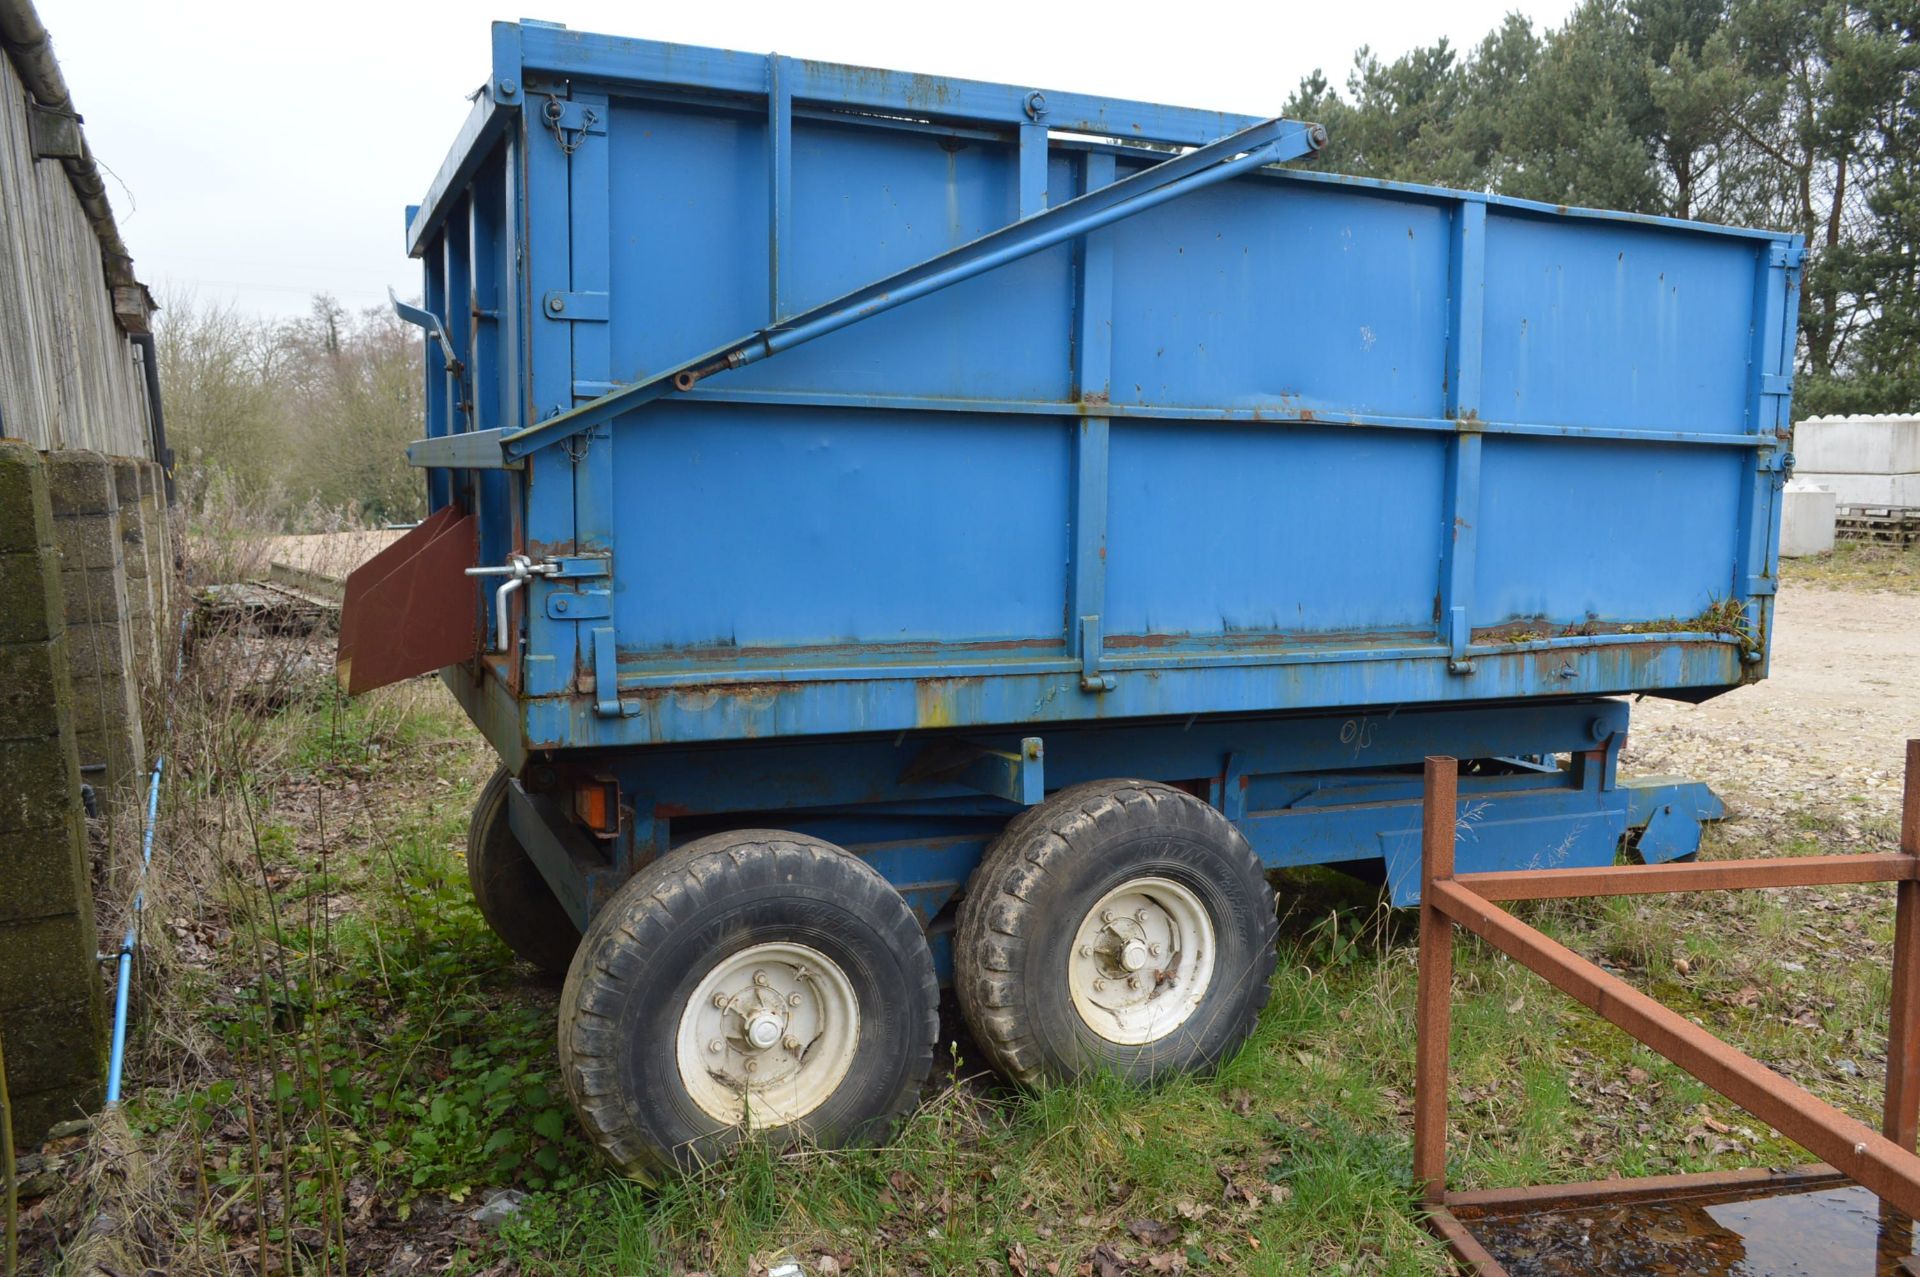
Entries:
{"x":768,"y":1035}
{"x":1141,"y":961}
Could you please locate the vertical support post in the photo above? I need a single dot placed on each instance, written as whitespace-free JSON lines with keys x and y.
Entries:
{"x":1093,"y":375}
{"x":492,"y":374}
{"x":1466,"y":276}
{"x":1776,"y":295}
{"x":484,"y":211}
{"x":1434,"y":1014}
{"x":645,"y":838}
{"x":779,"y":180}
{"x":589,"y":183}
{"x":545,"y":668}
{"x":513,"y":386}
{"x":1902,"y":1114}
{"x":590,"y":233}
{"x":457,"y":256}
{"x":1033,"y":169}
{"x":438,"y":375}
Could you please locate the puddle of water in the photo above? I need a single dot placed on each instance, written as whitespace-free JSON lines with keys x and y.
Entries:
{"x":1826,"y":1232}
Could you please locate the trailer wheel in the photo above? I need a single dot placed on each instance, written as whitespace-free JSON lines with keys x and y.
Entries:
{"x":514,"y":899}
{"x":750,"y":982}
{"x":1121,"y":926}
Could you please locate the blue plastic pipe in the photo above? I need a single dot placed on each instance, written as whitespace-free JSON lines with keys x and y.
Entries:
{"x":117,"y":1053}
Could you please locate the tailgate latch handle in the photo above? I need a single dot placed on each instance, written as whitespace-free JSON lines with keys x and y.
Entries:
{"x":518,"y":569}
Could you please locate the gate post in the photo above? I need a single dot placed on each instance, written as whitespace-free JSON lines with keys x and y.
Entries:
{"x":1903,"y":1016}
{"x":1434,"y":1017}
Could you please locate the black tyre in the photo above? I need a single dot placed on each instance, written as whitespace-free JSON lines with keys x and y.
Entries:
{"x":754,"y":981}
{"x":514,"y":899}
{"x":1121,"y":926}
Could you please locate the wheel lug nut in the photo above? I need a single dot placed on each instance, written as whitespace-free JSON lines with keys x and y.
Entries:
{"x":1086,"y":951}
{"x":1106,"y":915}
{"x":760,"y":978}
{"x":793,"y":999}
{"x":1139,"y":915}
{"x":719,"y":1001}
{"x":792,"y":1044}
{"x":1154,"y":949}
{"x":714,"y":1046}
{"x":1133,"y":982}
{"x":1099,"y":986}
{"x":753,"y":1066}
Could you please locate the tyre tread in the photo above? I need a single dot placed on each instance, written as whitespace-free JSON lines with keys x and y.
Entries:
{"x":997,"y":915}
{"x":664,"y":896}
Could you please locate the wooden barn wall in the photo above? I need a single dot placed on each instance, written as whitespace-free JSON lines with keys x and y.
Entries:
{"x":69,"y":377}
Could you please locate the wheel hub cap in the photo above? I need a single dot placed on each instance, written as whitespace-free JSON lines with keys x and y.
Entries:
{"x":1141,"y":961}
{"x":763,"y":1030}
{"x":768,"y":1035}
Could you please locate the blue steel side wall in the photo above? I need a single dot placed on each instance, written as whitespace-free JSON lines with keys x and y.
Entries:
{"x":911,"y":490}
{"x":1094,"y":400}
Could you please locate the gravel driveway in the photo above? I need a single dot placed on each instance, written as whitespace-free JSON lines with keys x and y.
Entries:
{"x":1825,"y":732}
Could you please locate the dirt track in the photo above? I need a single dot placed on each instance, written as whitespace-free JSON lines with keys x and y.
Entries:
{"x":1825,"y":731}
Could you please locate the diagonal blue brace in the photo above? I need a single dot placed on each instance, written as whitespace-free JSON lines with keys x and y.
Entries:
{"x":1272,"y":142}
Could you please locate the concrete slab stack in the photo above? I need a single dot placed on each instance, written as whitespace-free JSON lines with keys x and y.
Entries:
{"x":1806,"y":520}
{"x":1863,"y":461}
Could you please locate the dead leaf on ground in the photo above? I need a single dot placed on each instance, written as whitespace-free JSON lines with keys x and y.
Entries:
{"x":1151,"y":1232}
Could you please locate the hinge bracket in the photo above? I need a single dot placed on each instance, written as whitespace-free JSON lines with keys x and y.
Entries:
{"x":580,"y":308}
{"x":606,"y":677}
{"x":1458,"y":634}
{"x":1091,"y":679}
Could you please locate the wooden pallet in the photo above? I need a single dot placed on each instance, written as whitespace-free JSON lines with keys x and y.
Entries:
{"x":1877,"y":525}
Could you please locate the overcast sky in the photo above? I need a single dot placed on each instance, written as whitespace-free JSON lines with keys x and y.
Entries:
{"x":267,"y":151}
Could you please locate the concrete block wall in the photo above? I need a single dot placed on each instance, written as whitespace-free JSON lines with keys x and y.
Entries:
{"x":104,"y":647}
{"x":141,"y":604}
{"x":51,"y":999}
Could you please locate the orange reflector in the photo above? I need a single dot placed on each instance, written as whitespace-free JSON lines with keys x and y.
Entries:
{"x":597,"y":804}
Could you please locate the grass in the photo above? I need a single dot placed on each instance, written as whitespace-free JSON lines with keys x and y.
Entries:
{"x":1851,"y":566}
{"x":337,"y":1060}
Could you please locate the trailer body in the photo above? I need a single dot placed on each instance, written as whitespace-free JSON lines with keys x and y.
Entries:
{"x":870,"y":477}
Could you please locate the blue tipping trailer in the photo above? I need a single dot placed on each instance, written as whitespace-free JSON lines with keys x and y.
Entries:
{"x":928,"y":528}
